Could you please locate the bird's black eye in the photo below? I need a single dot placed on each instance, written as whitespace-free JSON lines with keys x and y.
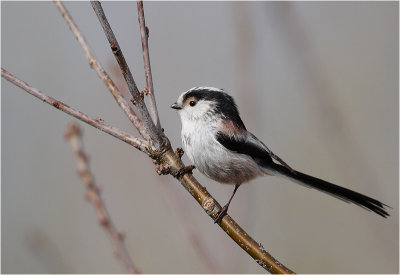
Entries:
{"x":192,"y":103}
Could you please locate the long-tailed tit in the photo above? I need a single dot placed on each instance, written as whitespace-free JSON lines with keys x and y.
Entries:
{"x":219,"y":145}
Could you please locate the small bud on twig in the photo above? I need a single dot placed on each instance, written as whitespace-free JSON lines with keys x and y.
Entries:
{"x":163,"y":169}
{"x":179,"y":152}
{"x":185,"y":170}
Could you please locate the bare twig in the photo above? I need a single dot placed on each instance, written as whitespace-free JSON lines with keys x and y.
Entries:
{"x":144,"y":33}
{"x":97,"y":123}
{"x":155,"y":133}
{"x":102,"y":73}
{"x":73,"y":135}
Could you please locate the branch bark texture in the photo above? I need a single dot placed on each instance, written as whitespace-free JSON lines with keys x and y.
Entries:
{"x":73,"y":135}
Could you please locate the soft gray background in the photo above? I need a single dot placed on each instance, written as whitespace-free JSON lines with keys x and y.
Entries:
{"x":317,"y":82}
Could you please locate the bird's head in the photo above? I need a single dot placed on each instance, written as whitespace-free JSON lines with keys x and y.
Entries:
{"x":207,"y":103}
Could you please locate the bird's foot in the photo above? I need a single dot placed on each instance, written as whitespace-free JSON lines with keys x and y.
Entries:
{"x":221,"y":214}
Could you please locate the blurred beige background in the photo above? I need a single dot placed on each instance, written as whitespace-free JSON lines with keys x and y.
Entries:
{"x":316,"y":81}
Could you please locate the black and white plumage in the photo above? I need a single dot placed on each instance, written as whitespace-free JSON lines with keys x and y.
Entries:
{"x":219,"y":145}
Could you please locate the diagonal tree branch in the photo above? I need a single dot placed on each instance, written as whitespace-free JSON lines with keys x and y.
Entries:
{"x":155,"y":133}
{"x":73,"y":135}
{"x":144,"y":33}
{"x":94,"y":64}
{"x":97,"y":123}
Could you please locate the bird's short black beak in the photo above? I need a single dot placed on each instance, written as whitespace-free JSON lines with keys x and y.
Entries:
{"x":176,"y":106}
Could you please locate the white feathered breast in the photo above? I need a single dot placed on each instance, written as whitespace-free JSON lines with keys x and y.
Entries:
{"x":212,"y":158}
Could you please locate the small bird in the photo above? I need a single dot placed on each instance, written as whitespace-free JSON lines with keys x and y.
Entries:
{"x":216,"y":140}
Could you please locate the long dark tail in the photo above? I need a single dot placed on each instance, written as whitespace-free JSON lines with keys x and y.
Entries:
{"x":335,"y":190}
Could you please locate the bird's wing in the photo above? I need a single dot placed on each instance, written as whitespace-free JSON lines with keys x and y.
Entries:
{"x":271,"y":154}
{"x":248,"y":145}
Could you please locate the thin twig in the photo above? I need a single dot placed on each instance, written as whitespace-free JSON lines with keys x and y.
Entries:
{"x":97,"y":123}
{"x":73,"y":135}
{"x":102,"y":73}
{"x":144,"y":33}
{"x":154,"y":132}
